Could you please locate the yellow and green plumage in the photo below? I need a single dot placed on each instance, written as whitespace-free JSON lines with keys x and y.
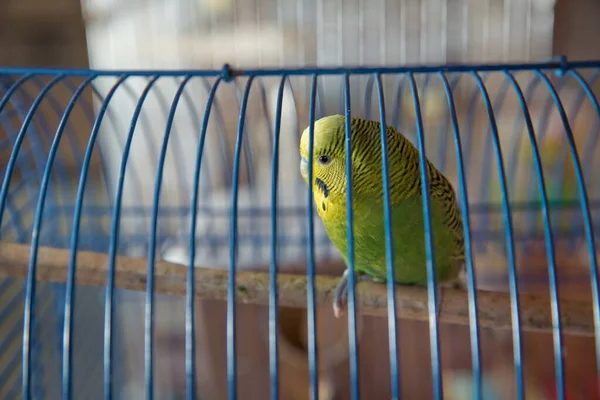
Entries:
{"x":329,"y":189}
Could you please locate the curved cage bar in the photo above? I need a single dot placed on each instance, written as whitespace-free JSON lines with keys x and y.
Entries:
{"x":199,"y":169}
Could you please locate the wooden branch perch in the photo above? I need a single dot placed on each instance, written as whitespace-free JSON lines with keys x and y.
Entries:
{"x":253,"y":287}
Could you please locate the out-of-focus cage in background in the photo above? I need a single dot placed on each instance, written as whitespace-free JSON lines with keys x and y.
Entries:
{"x":206,"y":34}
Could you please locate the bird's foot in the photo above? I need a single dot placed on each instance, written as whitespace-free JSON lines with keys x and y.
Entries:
{"x":340,"y":300}
{"x":453,"y":284}
{"x":438,"y":296}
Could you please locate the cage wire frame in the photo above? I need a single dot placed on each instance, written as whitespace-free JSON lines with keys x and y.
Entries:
{"x":228,"y":74}
{"x":49,"y":292}
{"x":5,"y":287}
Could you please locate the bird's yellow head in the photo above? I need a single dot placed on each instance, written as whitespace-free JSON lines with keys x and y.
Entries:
{"x":329,"y":155}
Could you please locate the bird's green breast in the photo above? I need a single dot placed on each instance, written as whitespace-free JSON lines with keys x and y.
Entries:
{"x":407,"y":232}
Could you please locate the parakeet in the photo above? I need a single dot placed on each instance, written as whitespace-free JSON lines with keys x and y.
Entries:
{"x":329,"y":188}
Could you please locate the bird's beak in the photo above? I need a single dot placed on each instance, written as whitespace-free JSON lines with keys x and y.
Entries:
{"x":304,"y":168}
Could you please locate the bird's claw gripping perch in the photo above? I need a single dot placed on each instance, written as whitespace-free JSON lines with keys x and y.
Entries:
{"x":340,"y":299}
{"x":459,"y":283}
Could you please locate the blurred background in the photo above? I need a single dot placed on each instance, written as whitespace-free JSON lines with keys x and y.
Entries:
{"x":205,"y":34}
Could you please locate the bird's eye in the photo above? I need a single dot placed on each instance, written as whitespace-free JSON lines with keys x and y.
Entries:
{"x":324,"y":160}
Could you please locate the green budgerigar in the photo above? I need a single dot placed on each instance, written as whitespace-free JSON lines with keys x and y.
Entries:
{"x":329,"y":188}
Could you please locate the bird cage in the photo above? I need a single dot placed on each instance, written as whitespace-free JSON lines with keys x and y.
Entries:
{"x":95,"y":278}
{"x":248,"y":34}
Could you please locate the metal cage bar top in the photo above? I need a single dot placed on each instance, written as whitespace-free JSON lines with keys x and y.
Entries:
{"x":134,"y":193}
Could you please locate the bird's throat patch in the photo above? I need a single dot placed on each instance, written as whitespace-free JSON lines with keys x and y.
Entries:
{"x":322,"y":187}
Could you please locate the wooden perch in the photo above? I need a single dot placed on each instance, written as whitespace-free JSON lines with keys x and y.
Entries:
{"x":253,"y":287}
